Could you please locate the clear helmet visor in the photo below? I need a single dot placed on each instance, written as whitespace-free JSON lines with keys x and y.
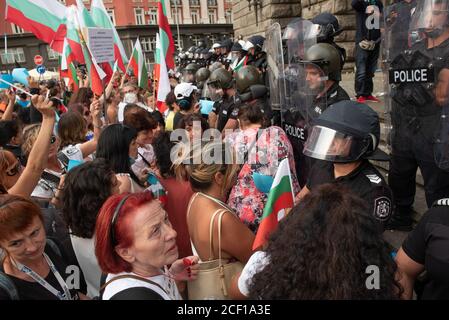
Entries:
{"x":430,"y":15}
{"x":330,"y":145}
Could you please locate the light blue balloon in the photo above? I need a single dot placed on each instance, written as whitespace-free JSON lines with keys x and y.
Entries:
{"x":20,"y":75}
{"x":6,"y":77}
{"x":262,"y":182}
{"x":206,"y":106}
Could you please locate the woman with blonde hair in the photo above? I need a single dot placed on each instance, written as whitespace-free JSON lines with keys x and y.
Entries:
{"x":212,"y":181}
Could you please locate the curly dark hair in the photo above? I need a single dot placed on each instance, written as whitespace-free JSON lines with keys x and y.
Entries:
{"x":162,"y":147}
{"x":86,"y":188}
{"x":322,"y":249}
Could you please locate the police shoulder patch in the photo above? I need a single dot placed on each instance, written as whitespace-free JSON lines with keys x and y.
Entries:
{"x":382,"y":208}
{"x":374,"y":178}
{"x":441,"y":203}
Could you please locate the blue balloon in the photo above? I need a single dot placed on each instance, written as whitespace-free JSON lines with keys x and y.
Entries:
{"x":6,"y":77}
{"x":262,"y":182}
{"x":20,"y":75}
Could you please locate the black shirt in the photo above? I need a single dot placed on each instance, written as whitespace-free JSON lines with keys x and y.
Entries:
{"x":362,"y":32}
{"x":365,"y":181}
{"x":33,"y":291}
{"x":428,"y":244}
{"x":226,"y":109}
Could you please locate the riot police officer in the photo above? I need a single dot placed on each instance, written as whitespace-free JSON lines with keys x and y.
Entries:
{"x":343,"y":139}
{"x":188,"y":74}
{"x":222,"y":115}
{"x":319,"y":75}
{"x":256,"y":55}
{"x":418,"y":83}
{"x":329,"y":28}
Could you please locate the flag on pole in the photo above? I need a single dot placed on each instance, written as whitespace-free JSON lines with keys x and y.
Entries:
{"x":163,"y":82}
{"x":166,"y":37}
{"x":44,"y":18}
{"x":101,"y":18}
{"x":138,"y":65}
{"x":86,"y":22}
{"x":76,"y":40}
{"x":279,"y":200}
{"x":68,"y":69}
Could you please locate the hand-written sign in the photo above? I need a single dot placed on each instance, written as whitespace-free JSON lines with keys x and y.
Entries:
{"x":101,"y":44}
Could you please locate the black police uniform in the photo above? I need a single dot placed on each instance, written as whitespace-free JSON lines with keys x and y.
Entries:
{"x":413,"y":138}
{"x":226,"y":109}
{"x":365,"y":181}
{"x":428,"y":245}
{"x":296,"y":127}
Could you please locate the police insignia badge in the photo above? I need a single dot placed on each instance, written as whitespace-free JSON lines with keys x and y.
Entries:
{"x":382,"y":208}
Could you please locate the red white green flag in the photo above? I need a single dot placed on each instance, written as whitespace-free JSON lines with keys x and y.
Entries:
{"x":166,"y":37}
{"x":279,"y":200}
{"x":44,"y":18}
{"x":68,"y":69}
{"x":101,"y":18}
{"x":138,"y":65}
{"x":163,"y":87}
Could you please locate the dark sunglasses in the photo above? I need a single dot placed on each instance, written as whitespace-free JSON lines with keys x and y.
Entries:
{"x":14,"y":170}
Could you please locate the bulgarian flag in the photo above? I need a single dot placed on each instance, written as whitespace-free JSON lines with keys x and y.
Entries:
{"x":239,"y":64}
{"x":101,"y":18}
{"x":279,"y":200}
{"x":166,"y":37}
{"x":44,"y":18}
{"x":163,"y":87}
{"x":86,"y":22}
{"x":68,"y":69}
{"x":138,"y":65}
{"x":77,"y":43}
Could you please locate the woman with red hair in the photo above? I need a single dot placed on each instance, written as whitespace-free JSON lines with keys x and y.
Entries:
{"x":134,"y":244}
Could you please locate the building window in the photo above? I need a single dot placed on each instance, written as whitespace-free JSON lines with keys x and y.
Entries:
{"x":16,"y":29}
{"x":212,"y":3}
{"x":228,"y":16}
{"x":148,"y":44}
{"x":175,"y":2}
{"x":177,"y":15}
{"x":111,"y":15}
{"x":52,"y":54}
{"x":212,"y":16}
{"x":14,"y":55}
{"x":194,"y":3}
{"x":195,"y":13}
{"x":153,"y":16}
{"x":195,"y":39}
{"x":213,"y":39}
{"x":140,"y":17}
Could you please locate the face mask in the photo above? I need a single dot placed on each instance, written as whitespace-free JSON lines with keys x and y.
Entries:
{"x":130,"y":97}
{"x":262,"y":182}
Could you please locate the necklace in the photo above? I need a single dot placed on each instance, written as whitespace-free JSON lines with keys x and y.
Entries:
{"x":221,"y":203}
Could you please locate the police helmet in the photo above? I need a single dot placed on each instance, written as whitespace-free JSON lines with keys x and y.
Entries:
{"x":191,"y":68}
{"x":202,"y":74}
{"x":345,"y":132}
{"x":327,"y":57}
{"x":328,"y":27}
{"x":257,"y":41}
{"x":221,"y":78}
{"x":246,"y":77}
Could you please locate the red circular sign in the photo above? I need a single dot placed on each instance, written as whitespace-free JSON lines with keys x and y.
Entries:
{"x":38,"y":60}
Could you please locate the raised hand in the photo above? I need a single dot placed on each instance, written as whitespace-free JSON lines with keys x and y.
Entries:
{"x":44,"y":106}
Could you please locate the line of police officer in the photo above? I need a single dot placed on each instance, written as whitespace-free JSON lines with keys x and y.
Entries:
{"x":302,"y":68}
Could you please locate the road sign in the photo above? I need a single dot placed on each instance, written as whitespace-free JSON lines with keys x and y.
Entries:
{"x":38,"y":60}
{"x":41,"y":69}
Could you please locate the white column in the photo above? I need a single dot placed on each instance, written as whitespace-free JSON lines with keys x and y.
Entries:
{"x":221,"y":16}
{"x":168,"y":11}
{"x":204,"y":12}
{"x":187,"y":19}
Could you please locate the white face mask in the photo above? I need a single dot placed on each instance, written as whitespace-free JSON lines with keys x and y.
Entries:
{"x":130,"y":97}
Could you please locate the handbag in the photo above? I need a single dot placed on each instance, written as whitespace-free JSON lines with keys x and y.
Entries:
{"x":214,"y":276}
